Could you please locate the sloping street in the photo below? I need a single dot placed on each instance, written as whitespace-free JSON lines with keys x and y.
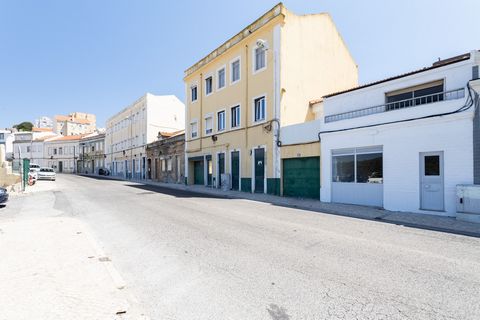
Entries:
{"x":187,"y":256}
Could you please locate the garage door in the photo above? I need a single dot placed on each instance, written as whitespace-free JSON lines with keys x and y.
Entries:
{"x":301,"y":177}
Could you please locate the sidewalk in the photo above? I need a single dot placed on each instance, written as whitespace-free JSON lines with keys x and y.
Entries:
{"x":52,"y":269}
{"x":408,"y":219}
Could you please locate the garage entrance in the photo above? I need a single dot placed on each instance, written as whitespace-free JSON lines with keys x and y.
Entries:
{"x":301,"y":177}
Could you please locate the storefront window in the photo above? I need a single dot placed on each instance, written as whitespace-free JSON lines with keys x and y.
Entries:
{"x":358,"y":165}
{"x":343,"y":168}
{"x":370,"y":168}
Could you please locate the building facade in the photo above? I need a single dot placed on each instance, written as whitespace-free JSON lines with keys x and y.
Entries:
{"x":6,"y":139}
{"x":75,"y":123}
{"x":166,"y":158}
{"x":92,"y":153}
{"x":43,"y":122}
{"x":62,"y":153}
{"x":405,"y":143}
{"x":130,"y":130}
{"x":241,"y":94}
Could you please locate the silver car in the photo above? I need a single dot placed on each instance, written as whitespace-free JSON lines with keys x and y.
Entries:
{"x":46,"y":174}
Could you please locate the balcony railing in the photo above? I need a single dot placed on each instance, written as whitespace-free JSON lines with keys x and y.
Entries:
{"x":408,"y":103}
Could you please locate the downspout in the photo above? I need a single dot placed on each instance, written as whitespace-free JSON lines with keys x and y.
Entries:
{"x":246,"y":97}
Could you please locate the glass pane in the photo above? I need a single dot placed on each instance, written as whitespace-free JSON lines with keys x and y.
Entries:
{"x":343,"y":169}
{"x":370,"y":168}
{"x":432,"y":165}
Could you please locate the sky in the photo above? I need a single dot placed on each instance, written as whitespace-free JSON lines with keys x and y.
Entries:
{"x":99,"y":56}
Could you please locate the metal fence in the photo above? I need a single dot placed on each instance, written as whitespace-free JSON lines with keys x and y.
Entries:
{"x":412,"y":102}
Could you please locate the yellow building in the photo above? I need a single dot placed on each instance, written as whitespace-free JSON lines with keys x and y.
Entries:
{"x":240,"y":95}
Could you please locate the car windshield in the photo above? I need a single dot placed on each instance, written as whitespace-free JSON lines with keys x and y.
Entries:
{"x":46,"y":170}
{"x":34,"y":166}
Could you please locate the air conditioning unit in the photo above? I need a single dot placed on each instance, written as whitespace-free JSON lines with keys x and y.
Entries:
{"x":468,"y":203}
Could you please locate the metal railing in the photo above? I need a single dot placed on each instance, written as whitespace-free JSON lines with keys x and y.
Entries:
{"x":412,"y":102}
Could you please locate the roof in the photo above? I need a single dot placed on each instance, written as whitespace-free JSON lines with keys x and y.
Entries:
{"x":69,"y":138}
{"x":171,"y":134}
{"x":435,"y":65}
{"x":260,"y":22}
{"x":43,"y":138}
{"x":94,"y":136}
{"x":41,"y":129}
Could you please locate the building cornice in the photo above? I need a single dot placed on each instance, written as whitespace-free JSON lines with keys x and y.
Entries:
{"x":276,"y":11}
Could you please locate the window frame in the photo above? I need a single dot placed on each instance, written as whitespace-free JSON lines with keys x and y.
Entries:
{"x":210,"y":76}
{"x":254,"y":59}
{"x":193,"y":86}
{"x":224,"y":120}
{"x":232,"y":82}
{"x":224,"y":68}
{"x":355,"y":152}
{"x":239,"y":119}
{"x":209,"y":116}
{"x":194,"y":121}
{"x":254,"y":115}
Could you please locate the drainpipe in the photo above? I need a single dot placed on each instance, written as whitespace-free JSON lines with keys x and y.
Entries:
{"x":246,"y":98}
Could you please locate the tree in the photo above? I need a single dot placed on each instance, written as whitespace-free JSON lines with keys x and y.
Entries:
{"x":24,"y":126}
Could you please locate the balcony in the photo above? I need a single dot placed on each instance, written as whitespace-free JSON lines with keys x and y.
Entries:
{"x":397,"y":105}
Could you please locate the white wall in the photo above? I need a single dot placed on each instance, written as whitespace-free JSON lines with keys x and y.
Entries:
{"x":164,"y":113}
{"x":402,"y":144}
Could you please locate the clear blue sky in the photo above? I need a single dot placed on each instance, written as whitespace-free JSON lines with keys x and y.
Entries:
{"x":98,"y":56}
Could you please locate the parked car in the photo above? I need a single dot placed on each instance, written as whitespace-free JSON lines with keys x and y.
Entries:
{"x":3,"y":195}
{"x":103,"y":172}
{"x":46,"y":174}
{"x":35,"y":167}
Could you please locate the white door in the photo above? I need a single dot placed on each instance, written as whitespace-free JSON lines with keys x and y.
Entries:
{"x":431,"y":181}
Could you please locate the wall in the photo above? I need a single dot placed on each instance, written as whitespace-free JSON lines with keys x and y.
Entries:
{"x":402,"y":144}
{"x":314,"y":62}
{"x":171,"y":148}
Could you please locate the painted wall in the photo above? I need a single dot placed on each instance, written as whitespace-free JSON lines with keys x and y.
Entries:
{"x":402,"y":144}
{"x":315,"y":61}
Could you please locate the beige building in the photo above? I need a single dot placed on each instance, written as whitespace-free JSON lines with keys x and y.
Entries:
{"x":92,"y":153}
{"x":130,"y":130}
{"x":74,"y":124}
{"x":242,"y":93}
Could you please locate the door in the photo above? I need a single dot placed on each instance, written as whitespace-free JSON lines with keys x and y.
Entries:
{"x":198,"y":172}
{"x":431,"y":181}
{"x":60,"y":166}
{"x":149,"y":169}
{"x":259,"y":170}
{"x":301,"y":177}
{"x":235,"y":170}
{"x":93,"y":166}
{"x":221,"y":168}
{"x":209,"y":170}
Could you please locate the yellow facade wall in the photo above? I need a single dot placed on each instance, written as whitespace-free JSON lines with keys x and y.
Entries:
{"x":301,"y":150}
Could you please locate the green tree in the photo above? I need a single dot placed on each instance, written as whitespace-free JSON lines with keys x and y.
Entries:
{"x":24,"y":126}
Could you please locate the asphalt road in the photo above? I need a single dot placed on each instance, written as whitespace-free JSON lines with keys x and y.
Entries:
{"x":186,"y":256}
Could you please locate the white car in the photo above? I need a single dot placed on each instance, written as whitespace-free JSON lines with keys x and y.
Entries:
{"x":34,"y":166}
{"x":46,"y":174}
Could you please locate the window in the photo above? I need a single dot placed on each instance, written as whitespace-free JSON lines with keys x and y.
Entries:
{"x":2,"y":136}
{"x":432,"y":165}
{"x":208,"y":125}
{"x":423,"y":94}
{"x":28,"y":148}
{"x":163,"y":164}
{"x":235,"y":117}
{"x":221,"y":121}
{"x":55,"y":151}
{"x":260,"y":58}
{"x":169,"y":164}
{"x":235,"y":70}
{"x":208,"y":85}
{"x":360,"y":165}
{"x":259,"y":109}
{"x":344,"y":168}
{"x":193,"y":129}
{"x":193,"y":92}
{"x":221,"y":78}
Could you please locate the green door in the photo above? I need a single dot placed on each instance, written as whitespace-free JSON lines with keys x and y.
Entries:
{"x":301,"y":177}
{"x":236,"y":170}
{"x":221,"y":167}
{"x":259,"y":170}
{"x":198,"y":172}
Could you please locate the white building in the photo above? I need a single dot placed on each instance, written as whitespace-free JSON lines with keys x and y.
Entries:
{"x":130,"y":130}
{"x":403,"y":143}
{"x":62,"y":153}
{"x":6,"y":138}
{"x":43,"y":122}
